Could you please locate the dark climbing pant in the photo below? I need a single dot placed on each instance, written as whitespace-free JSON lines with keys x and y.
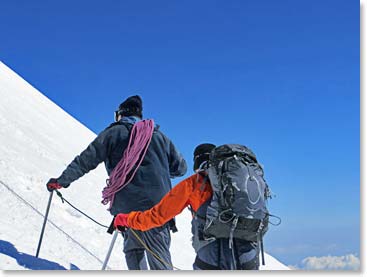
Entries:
{"x":218,"y":256}
{"x":158,"y":240}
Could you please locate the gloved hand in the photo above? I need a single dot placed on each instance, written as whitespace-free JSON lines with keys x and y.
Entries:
{"x":121,"y":221}
{"x":52,"y":184}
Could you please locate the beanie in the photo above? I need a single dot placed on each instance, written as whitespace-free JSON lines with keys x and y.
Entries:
{"x":131,"y":106}
{"x":201,"y":154}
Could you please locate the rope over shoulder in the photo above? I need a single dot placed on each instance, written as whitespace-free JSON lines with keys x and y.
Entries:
{"x":140,"y":138}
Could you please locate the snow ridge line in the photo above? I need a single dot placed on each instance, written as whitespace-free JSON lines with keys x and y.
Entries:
{"x":53,"y":224}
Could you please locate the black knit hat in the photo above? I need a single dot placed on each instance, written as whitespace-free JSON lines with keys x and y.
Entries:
{"x":201,"y":154}
{"x":131,"y":106}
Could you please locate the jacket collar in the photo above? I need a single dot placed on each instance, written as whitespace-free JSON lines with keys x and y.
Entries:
{"x":133,"y":119}
{"x":130,"y":119}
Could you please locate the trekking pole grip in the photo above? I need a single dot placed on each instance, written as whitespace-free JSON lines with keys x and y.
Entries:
{"x":44,"y":223}
{"x":111,"y":229}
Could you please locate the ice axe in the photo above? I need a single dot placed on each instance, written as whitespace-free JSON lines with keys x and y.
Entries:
{"x":44,"y":223}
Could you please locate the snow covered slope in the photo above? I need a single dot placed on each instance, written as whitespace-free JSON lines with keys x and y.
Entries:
{"x":37,"y":140}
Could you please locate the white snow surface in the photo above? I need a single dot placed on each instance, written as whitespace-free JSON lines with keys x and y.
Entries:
{"x":37,"y":141}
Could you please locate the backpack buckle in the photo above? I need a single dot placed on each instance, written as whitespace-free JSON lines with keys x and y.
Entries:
{"x":260,"y":228}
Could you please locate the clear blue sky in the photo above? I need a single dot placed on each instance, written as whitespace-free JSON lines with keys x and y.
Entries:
{"x":279,"y":76}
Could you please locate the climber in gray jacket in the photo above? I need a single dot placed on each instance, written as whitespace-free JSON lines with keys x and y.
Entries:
{"x":150,"y":183}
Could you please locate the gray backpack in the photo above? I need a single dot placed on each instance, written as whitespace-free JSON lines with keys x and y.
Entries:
{"x":238,"y":206}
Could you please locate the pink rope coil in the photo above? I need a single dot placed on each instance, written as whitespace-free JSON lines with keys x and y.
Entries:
{"x":140,"y":138}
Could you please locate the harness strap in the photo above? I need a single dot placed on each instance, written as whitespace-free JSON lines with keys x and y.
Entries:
{"x":262,"y":250}
{"x":234,"y":225}
{"x":260,"y":241}
{"x":231,"y":246}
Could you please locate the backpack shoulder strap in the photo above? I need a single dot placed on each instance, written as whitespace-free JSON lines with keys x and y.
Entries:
{"x":203,"y":182}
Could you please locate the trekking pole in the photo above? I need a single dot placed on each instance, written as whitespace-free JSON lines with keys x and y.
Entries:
{"x":111,"y":230}
{"x":44,"y":223}
{"x":110,"y":250}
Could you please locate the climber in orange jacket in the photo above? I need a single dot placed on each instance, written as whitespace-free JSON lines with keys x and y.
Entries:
{"x":195,"y":192}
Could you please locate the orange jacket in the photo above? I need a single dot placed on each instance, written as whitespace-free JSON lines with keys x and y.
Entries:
{"x":190,"y":191}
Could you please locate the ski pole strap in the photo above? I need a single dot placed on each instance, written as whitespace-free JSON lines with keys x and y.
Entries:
{"x":59,"y":195}
{"x":75,"y":208}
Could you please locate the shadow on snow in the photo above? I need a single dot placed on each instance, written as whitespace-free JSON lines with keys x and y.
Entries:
{"x":29,"y":261}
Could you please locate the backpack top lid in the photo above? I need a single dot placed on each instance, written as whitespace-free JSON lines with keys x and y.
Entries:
{"x":228,"y":150}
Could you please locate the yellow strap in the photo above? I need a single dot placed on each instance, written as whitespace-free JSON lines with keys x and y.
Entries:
{"x":151,"y":252}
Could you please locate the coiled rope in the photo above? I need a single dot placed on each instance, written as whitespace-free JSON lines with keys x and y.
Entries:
{"x":140,"y":138}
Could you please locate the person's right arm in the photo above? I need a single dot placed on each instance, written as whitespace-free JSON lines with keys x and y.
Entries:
{"x":96,"y":152}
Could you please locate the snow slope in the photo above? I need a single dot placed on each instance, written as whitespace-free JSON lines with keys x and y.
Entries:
{"x":37,"y":140}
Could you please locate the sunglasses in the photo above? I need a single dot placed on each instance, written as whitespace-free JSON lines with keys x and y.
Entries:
{"x":116,"y":115}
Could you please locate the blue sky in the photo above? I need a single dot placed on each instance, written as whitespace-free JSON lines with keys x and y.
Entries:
{"x":279,"y":76}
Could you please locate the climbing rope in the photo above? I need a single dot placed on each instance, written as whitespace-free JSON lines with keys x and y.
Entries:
{"x":151,"y":251}
{"x":64,"y":200}
{"x":140,"y":137}
{"x":50,"y":221}
{"x":134,"y":233}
